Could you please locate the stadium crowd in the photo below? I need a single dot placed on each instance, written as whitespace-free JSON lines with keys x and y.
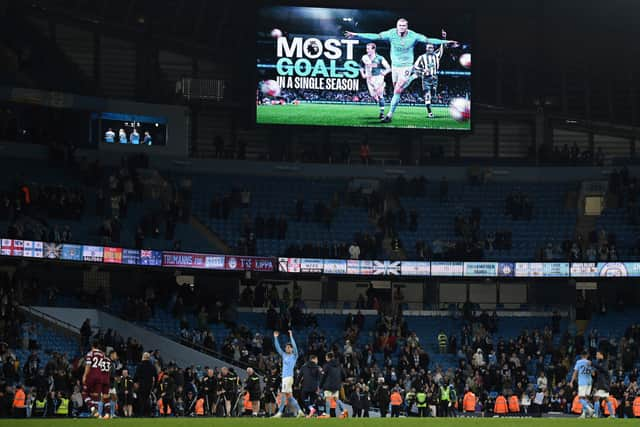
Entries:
{"x":388,"y":367}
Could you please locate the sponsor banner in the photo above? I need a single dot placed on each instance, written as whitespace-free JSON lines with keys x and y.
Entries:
{"x":542,"y":269}
{"x":445,"y":268}
{"x":71,"y":252}
{"x":33,"y":249}
{"x":247,"y":263}
{"x":183,"y":259}
{"x":131,"y":256}
{"x":415,"y":268}
{"x":480,"y":269}
{"x":311,"y":265}
{"x":52,"y":250}
{"x":92,"y":253}
{"x":289,"y":265}
{"x":584,"y":269}
{"x":385,"y":268}
{"x":506,"y":269}
{"x":353,"y":266}
{"x":112,"y":255}
{"x":150,"y":258}
{"x":366,"y":267}
{"x":12,"y":247}
{"x":335,"y":266}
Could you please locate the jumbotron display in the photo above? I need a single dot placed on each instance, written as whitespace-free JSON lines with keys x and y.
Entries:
{"x":363,"y":68}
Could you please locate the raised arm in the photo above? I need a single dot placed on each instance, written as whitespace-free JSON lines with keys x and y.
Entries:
{"x":276,"y":342}
{"x":424,"y":39}
{"x":440,"y":50}
{"x":367,"y":36}
{"x":293,"y":344}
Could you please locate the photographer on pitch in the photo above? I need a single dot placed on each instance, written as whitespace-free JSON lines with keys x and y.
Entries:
{"x":228,"y":389}
{"x":272,"y":382}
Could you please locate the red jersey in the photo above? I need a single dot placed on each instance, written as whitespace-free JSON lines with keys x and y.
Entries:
{"x":100,"y":365}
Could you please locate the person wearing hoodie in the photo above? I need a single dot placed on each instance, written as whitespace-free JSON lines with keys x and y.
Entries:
{"x":331,"y":383}
{"x":310,"y":375}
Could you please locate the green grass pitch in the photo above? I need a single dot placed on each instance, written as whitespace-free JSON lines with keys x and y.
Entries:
{"x":354,"y":422}
{"x":356,"y":115}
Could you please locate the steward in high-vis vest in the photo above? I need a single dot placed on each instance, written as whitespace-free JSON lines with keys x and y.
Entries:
{"x":19,"y":404}
{"x":445,"y":401}
{"x":199,"y":410}
{"x":62,"y":409}
{"x":500,"y":407}
{"x":576,"y":406}
{"x":636,"y":407}
{"x":514,"y":404}
{"x":421,"y":403}
{"x":469,"y":402}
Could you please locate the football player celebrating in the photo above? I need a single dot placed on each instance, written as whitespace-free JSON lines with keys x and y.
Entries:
{"x":402,"y":41}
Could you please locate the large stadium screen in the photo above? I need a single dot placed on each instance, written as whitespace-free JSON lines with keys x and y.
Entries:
{"x":364,"y":68}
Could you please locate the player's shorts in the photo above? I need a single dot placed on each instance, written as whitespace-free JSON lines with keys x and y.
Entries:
{"x":229,"y":395}
{"x":601,"y":393}
{"x":429,"y":83}
{"x":254,"y":396}
{"x":287,"y":385}
{"x":402,"y":74}
{"x":97,"y":385}
{"x":328,"y":394}
{"x":375,"y":84}
{"x":584,"y":390}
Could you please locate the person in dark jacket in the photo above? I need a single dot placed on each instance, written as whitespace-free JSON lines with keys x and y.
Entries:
{"x":310,"y":375}
{"x":383,"y":397}
{"x":167,"y":392}
{"x":252,"y":385}
{"x":354,"y":399}
{"x":145,"y":378}
{"x":602,"y":384}
{"x":331,"y":383}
